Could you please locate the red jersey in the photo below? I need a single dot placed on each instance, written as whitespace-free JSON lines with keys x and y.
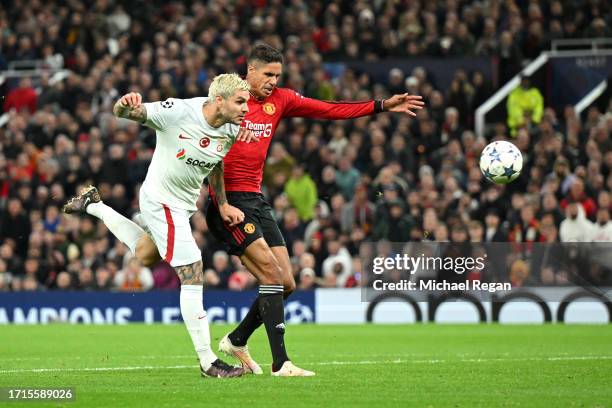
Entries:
{"x":244,"y":163}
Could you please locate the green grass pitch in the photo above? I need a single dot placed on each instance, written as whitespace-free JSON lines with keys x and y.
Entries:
{"x":365,"y":365}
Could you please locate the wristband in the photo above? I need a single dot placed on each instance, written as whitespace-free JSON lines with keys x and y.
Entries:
{"x":379,"y":106}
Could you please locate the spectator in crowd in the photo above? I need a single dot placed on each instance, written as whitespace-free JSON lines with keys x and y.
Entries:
{"x":164,"y":277}
{"x":525,"y":106}
{"x":395,"y":225}
{"x":519,"y":273}
{"x":103,"y":279}
{"x":337,"y":264}
{"x":575,"y":227}
{"x":278,"y":168}
{"x":64,"y":281}
{"x":526,"y":228}
{"x":22,"y":97}
{"x":493,"y":228}
{"x":134,"y":277}
{"x":16,"y":226}
{"x":602,"y":230}
{"x":307,"y":279}
{"x":5,"y":277}
{"x":302,"y":193}
{"x":359,"y":212}
{"x":218,"y":276}
{"x":577,"y":194}
{"x":347,"y":177}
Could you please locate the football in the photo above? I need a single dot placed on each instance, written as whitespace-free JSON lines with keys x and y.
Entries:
{"x":501,"y":162}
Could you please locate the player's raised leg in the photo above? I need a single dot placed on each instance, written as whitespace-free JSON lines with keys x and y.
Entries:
{"x":131,"y":234}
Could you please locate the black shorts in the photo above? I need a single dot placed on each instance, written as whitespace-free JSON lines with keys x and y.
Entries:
{"x":259,"y":221}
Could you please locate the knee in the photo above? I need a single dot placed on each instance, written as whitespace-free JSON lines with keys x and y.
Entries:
{"x":147,"y":254}
{"x":147,"y":259}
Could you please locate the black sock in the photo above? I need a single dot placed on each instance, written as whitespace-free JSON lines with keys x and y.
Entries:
{"x":247,"y":326}
{"x":272,"y":312}
{"x":251,"y":322}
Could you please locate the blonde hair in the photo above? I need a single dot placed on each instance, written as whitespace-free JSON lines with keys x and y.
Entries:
{"x":225,"y":85}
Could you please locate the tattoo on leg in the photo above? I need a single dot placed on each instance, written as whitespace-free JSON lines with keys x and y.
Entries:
{"x":191,"y":274}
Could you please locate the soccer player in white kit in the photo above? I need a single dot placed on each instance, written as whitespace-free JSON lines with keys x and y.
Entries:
{"x":193,"y":136}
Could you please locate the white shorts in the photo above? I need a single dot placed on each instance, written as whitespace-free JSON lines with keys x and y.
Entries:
{"x":170,"y":230}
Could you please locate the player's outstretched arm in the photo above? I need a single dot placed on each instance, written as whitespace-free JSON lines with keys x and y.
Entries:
{"x":130,"y":106}
{"x":300,"y":106}
{"x":229,"y":213}
{"x":403,"y":103}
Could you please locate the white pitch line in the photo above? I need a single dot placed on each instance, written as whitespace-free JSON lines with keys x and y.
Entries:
{"x":53,"y":370}
{"x":321,"y":363}
{"x":145,"y":357}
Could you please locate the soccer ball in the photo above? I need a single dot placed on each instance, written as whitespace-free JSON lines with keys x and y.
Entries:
{"x":501,"y":162}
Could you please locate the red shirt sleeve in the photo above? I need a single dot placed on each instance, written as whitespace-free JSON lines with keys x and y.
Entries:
{"x":298,"y":105}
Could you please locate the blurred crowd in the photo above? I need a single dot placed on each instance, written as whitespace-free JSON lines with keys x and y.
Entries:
{"x":333,"y":185}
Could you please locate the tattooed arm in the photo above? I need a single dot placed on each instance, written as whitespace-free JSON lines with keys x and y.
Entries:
{"x":130,"y":106}
{"x":217,"y":184}
{"x":229,"y":213}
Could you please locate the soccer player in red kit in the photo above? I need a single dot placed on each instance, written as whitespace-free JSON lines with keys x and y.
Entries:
{"x":258,"y":241}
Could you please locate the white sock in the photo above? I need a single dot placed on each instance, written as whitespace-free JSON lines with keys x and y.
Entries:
{"x":123,"y":228}
{"x":196,"y":322}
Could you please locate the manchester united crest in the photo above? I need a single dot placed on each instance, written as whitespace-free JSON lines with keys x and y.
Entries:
{"x":269,"y":108}
{"x":204,"y":142}
{"x":249,"y":228}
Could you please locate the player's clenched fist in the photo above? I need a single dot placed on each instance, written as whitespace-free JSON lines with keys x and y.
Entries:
{"x":231,"y":215}
{"x":131,"y":99}
{"x":130,"y":106}
{"x":245,"y":135}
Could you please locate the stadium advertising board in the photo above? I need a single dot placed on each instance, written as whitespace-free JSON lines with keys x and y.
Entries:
{"x":145,"y":307}
{"x":325,"y":306}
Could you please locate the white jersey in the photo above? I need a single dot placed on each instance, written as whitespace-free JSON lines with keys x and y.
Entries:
{"x":187,"y":149}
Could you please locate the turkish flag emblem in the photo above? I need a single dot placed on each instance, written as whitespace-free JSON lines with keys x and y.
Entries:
{"x":204,"y":142}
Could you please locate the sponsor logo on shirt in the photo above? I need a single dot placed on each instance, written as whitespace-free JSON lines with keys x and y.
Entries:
{"x":269,"y":108}
{"x":259,"y":129}
{"x":181,"y":155}
{"x":200,"y":163}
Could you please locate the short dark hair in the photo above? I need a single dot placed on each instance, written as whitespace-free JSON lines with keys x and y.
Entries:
{"x":265,"y":53}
